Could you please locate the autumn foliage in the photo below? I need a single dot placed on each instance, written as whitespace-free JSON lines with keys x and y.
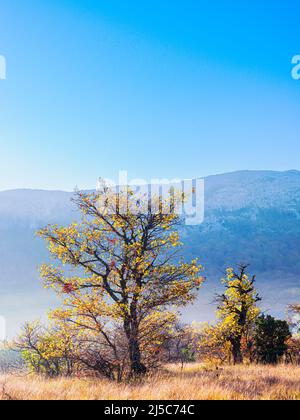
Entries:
{"x":121,"y":282}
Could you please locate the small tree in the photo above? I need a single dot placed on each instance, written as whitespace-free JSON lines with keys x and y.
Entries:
{"x":294,"y":341}
{"x":125,"y":275}
{"x":46,"y":351}
{"x":212,"y":343}
{"x":180,"y":348}
{"x":293,"y":352}
{"x":270,"y":339}
{"x":294,"y":316}
{"x":237,"y":309}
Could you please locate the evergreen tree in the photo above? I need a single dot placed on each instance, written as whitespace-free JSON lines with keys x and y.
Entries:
{"x":270,"y":339}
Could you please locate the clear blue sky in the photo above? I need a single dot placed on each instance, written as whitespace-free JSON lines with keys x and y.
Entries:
{"x":158,"y":88}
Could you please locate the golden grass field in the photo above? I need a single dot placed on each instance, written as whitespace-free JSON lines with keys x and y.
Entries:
{"x":194,"y":382}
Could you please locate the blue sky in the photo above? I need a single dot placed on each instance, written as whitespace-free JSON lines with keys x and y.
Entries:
{"x":161,"y":89}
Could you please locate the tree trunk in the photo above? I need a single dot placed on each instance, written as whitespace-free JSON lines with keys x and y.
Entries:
{"x":137,"y":368}
{"x":237,"y":351}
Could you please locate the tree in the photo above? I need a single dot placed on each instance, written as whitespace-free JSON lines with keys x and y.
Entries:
{"x":47,"y":351}
{"x":270,"y":339}
{"x":294,"y":316}
{"x":123,"y":270}
{"x":293,"y":352}
{"x":294,"y":341}
{"x":180,"y":348}
{"x":237,"y":310}
{"x":212,"y":342}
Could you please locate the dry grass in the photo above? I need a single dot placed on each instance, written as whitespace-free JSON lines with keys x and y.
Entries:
{"x":194,"y":382}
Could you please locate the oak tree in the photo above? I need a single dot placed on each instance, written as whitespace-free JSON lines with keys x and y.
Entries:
{"x":237,"y":310}
{"x":119,"y":269}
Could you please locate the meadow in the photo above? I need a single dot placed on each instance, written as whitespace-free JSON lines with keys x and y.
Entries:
{"x":193,"y":382}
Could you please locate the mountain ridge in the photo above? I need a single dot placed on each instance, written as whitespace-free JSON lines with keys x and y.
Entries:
{"x":222,"y":174}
